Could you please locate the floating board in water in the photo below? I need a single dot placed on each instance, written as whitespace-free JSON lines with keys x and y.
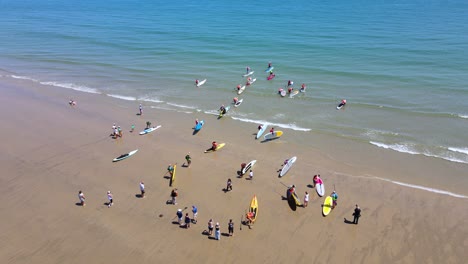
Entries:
{"x":260,"y":132}
{"x":271,"y":76}
{"x":248,"y":74}
{"x":124,"y":156}
{"x":283,"y":93}
{"x":172,"y":180}
{"x":327,"y":205}
{"x":294,"y":93}
{"x":273,"y":135}
{"x":221,"y":113}
{"x":149,"y":130}
{"x":217,"y":148}
{"x":241,"y":90}
{"x":201,"y":83}
{"x":338,"y":107}
{"x":248,"y":166}
{"x":238,"y":103}
{"x":199,"y":125}
{"x":251,"y":82}
{"x":269,"y":69}
{"x":320,"y":188}
{"x":287,"y":166}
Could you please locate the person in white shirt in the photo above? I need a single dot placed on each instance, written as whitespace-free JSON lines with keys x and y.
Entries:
{"x":110,"y":197}
{"x":251,"y":175}
{"x":306,"y":199}
{"x":142,"y":189}
{"x":82,"y":198}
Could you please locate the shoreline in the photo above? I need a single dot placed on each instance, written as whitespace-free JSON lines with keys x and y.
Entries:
{"x":76,"y":154}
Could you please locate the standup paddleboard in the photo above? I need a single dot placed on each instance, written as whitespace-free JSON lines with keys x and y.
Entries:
{"x":172,"y":180}
{"x":287,"y":166}
{"x":217,"y":148}
{"x":248,"y":167}
{"x":201,"y":83}
{"x":251,"y":82}
{"x":238,"y":103}
{"x":199,"y":125}
{"x":271,"y":76}
{"x":149,"y":130}
{"x":294,"y":93}
{"x":248,"y":74}
{"x":260,"y":132}
{"x":338,"y":107}
{"x":241,"y":90}
{"x":320,"y":188}
{"x":273,"y":135}
{"x":327,"y":205}
{"x":124,"y":156}
{"x":269,"y":69}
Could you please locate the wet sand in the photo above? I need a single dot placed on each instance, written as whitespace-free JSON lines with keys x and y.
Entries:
{"x":52,"y":150}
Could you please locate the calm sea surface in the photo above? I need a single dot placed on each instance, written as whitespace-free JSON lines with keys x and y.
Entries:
{"x":401,"y":65}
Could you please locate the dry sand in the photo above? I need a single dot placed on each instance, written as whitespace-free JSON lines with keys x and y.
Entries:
{"x":52,"y":150}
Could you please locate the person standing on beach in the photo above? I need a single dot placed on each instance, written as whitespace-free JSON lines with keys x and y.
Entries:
{"x":188,"y":159}
{"x":356,"y":214}
{"x":306,"y":199}
{"x":170,"y":169}
{"x":142,"y":189}
{"x":210,"y":227}
{"x":179,"y":216}
{"x":195,"y":214}
{"x":110,"y":197}
{"x":217,"y":232}
{"x":251,"y":175}
{"x":141,"y":109}
{"x":174,"y":194}
{"x":334,"y":196}
{"x":229,"y":185}
{"x":231,"y":227}
{"x":82,"y":198}
{"x":187,"y":221}
{"x":120,"y":131}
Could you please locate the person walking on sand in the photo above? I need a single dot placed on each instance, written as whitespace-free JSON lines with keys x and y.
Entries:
{"x":174,"y":194}
{"x":306,"y":199}
{"x":217,"y":232}
{"x":170,"y":169}
{"x":210,"y":227}
{"x":356,"y":214}
{"x":110,"y":197}
{"x":179,"y":216}
{"x":195,"y":214}
{"x":142,"y":189}
{"x":141,"y":109}
{"x":251,"y":175}
{"x":188,"y":159}
{"x":82,"y":198}
{"x":229,"y":185}
{"x":132,"y":129}
{"x":334,"y":197}
{"x":187,"y":221}
{"x":231,"y":227}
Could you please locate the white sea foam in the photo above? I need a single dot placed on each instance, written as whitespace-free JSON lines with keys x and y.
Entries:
{"x":148,"y":99}
{"x":460,"y":150}
{"x":73,"y":86}
{"x":373,"y":132}
{"x":463,"y":116}
{"x":424,"y":188}
{"x":404,"y":148}
{"x":23,"y":77}
{"x":127,"y":98}
{"x":182,"y":106}
{"x":288,"y":126}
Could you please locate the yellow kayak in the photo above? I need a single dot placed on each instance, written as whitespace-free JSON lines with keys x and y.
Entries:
{"x":327,"y":205}
{"x":253,"y":210}
{"x":172,"y":180}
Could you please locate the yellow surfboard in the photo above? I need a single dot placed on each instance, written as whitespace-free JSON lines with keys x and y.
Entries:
{"x":273,"y":135}
{"x":172,"y":180}
{"x":296,"y":199}
{"x":327,"y":205}
{"x":217,"y":148}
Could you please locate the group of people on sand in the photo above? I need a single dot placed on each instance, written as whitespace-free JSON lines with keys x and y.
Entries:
{"x":116,"y":131}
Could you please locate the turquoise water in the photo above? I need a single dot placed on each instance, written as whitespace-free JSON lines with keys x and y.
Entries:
{"x":401,"y":65}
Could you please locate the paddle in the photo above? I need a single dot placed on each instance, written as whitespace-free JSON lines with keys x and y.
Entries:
{"x":185,"y":208}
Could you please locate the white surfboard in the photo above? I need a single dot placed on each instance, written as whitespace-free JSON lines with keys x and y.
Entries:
{"x":149,"y":130}
{"x":248,"y":74}
{"x":273,"y":135}
{"x":287,"y":166}
{"x":124,"y":156}
{"x":283,"y":93}
{"x":294,"y":93}
{"x":261,"y":131}
{"x":241,"y":90}
{"x":201,"y":83}
{"x":248,"y":166}
{"x":238,"y":102}
{"x":252,"y":81}
{"x":320,"y":188}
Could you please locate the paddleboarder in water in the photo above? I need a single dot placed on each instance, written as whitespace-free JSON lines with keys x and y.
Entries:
{"x":303,"y":87}
{"x":196,"y":82}
{"x":247,"y":69}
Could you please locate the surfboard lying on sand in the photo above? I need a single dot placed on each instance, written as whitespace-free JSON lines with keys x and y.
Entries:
{"x":273,"y":135}
{"x":217,"y":148}
{"x":201,"y":83}
{"x":320,"y":188}
{"x":124,"y":156}
{"x":260,"y":132}
{"x":199,"y":125}
{"x":248,"y":167}
{"x":287,"y":166}
{"x":149,"y":130}
{"x":238,"y":103}
{"x":248,"y":74}
{"x":327,"y":205}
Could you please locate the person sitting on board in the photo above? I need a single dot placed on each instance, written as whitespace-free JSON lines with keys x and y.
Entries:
{"x":290,"y":83}
{"x":196,"y":82}
{"x":343,"y":103}
{"x":235,"y":100}
{"x":248,"y":69}
{"x":269,"y":65}
{"x":272,"y":130}
{"x":238,"y":87}
{"x":290,"y":89}
{"x":249,"y":81}
{"x":260,"y":127}
{"x":214,"y":145}
{"x":303,"y":87}
{"x":280,"y":90}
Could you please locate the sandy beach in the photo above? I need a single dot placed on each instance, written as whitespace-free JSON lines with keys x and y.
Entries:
{"x":52,"y":150}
